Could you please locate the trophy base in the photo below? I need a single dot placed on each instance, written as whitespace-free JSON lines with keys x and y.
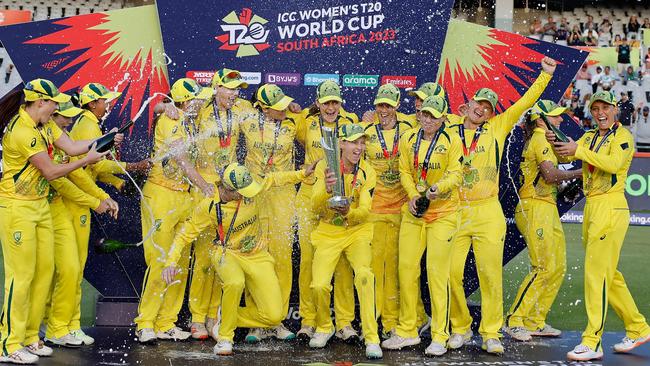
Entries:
{"x":336,"y":202}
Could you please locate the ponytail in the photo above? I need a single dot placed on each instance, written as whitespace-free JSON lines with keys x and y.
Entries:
{"x":75,"y":99}
{"x":529,"y":126}
{"x":9,"y":106}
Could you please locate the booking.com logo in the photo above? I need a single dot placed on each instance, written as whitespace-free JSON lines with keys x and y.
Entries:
{"x":245,"y":33}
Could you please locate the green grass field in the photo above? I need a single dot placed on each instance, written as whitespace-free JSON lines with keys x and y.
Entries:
{"x":568,"y":312}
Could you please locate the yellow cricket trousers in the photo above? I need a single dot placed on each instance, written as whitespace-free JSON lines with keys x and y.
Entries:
{"x":66,"y":271}
{"x":439,"y":236}
{"x":343,"y":290}
{"x":160,"y":304}
{"x":606,"y":220}
{"x":483,"y":228}
{"x":256,"y":274}
{"x":329,"y":243}
{"x":81,"y":224}
{"x":28,"y":248}
{"x":539,"y":222}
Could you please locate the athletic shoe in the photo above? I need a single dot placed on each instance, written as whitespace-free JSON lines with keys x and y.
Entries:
{"x":281,"y":332}
{"x":435,"y":349}
{"x":628,"y":344}
{"x":255,"y":335}
{"x":39,"y":349}
{"x":198,"y":331}
{"x":584,"y":353}
{"x":223,"y":348}
{"x":146,"y":335}
{"x":347,"y":334}
{"x":213,"y":328}
{"x":424,"y":327}
{"x":319,"y":340}
{"x":518,"y":333}
{"x":67,"y":340}
{"x":306,"y":332}
{"x":174,"y":334}
{"x":493,"y":345}
{"x":396,"y":342}
{"x":22,"y":356}
{"x":373,"y":351}
{"x":546,"y":331}
{"x":83,"y":337}
{"x":458,"y":340}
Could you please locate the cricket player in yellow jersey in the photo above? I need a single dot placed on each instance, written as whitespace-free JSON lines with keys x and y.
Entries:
{"x":382,"y":152}
{"x":26,"y":230}
{"x":217,"y":141}
{"x":483,"y":225}
{"x":77,"y":187}
{"x":308,"y":134}
{"x":95,"y":99}
{"x":606,"y":153}
{"x":538,"y":221}
{"x":345,"y":231}
{"x":269,"y":137}
{"x":165,"y":206}
{"x":240,"y":256}
{"x":430,"y":170}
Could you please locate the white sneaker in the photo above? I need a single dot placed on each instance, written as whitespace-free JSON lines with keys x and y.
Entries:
{"x":319,"y":340}
{"x":396,"y":342}
{"x":146,"y":335}
{"x":213,"y":328}
{"x":22,"y":356}
{"x":255,"y":335}
{"x":347,"y":334}
{"x":458,"y":340}
{"x":546,"y":331}
{"x":83,"y":337}
{"x":423,"y":328}
{"x":493,"y":345}
{"x":39,"y":349}
{"x":628,"y":344}
{"x":198,"y":331}
{"x":306,"y":332}
{"x":67,"y":340}
{"x":435,"y":349}
{"x":373,"y":351}
{"x":282,"y":333}
{"x":223,"y":348}
{"x":583,"y":353}
{"x":174,"y":334}
{"x":518,"y":333}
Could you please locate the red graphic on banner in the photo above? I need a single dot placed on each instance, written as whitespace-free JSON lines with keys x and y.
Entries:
{"x":8,"y":17}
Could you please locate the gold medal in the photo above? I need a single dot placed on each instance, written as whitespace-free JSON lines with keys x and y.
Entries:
{"x":421,"y":186}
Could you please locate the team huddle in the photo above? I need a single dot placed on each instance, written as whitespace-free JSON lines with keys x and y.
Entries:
{"x":222,"y":182}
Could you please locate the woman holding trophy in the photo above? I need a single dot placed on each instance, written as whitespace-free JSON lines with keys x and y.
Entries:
{"x":430,"y":174}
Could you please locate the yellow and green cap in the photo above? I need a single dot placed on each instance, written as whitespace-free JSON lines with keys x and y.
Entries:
{"x":44,"y":89}
{"x":488,"y":95}
{"x":603,"y":96}
{"x":436,"y":105}
{"x":351,"y":132}
{"x":328,"y":91}
{"x":67,"y":109}
{"x":237,"y":177}
{"x":547,"y":108}
{"x":427,"y":90}
{"x":95,"y":91}
{"x":272,"y":96}
{"x":187,"y":89}
{"x":228,"y":78}
{"x":389,"y":94}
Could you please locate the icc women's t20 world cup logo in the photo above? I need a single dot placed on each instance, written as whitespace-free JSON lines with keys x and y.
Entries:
{"x":245,"y":33}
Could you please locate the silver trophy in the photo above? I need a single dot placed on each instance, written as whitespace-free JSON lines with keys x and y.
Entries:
{"x":330,"y":143}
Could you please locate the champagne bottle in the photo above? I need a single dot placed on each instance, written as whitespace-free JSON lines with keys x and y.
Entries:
{"x":106,"y":142}
{"x":107,"y":246}
{"x":559,"y":135}
{"x":421,"y":206}
{"x":571,"y":191}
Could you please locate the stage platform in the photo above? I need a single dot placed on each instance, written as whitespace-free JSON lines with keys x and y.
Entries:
{"x":118,"y":346}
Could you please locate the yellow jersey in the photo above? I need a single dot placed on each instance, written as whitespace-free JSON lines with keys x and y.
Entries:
{"x":536,"y":151}
{"x":269,"y":145}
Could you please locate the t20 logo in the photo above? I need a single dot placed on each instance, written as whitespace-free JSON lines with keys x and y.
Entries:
{"x":245,"y":33}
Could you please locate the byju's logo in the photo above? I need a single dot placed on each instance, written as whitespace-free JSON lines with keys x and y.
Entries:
{"x":245,"y":33}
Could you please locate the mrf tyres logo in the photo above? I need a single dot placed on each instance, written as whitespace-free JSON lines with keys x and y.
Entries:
{"x":245,"y":33}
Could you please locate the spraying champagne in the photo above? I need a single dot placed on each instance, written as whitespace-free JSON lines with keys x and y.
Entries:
{"x":106,"y":142}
